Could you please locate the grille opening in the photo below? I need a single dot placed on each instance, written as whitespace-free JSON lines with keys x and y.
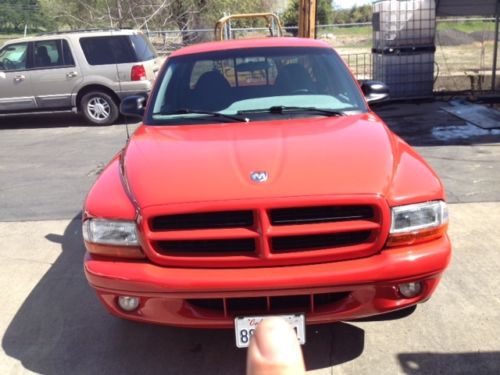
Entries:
{"x":216,"y":304}
{"x":320,"y":241}
{"x":204,"y":220}
{"x":258,"y":305}
{"x":324,"y":299}
{"x":298,"y":303}
{"x":208,"y":247}
{"x":247,"y":304}
{"x":319,"y":214}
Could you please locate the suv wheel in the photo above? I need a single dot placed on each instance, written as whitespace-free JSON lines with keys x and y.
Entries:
{"x":99,"y":108}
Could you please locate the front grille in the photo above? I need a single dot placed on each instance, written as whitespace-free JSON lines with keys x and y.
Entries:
{"x":267,"y":236}
{"x":316,"y":242}
{"x":207,"y":247}
{"x":204,"y":220}
{"x":269,"y":304}
{"x":319,"y":214}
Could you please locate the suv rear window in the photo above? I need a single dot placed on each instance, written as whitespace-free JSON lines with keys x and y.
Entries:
{"x":143,"y":48}
{"x":118,"y":49}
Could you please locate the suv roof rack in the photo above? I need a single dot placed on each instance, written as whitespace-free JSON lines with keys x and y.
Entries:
{"x":81,"y":31}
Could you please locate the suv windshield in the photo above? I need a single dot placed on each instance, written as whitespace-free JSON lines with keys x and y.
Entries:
{"x":253,"y":83}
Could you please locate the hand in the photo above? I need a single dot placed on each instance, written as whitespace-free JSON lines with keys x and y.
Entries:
{"x":274,"y":350}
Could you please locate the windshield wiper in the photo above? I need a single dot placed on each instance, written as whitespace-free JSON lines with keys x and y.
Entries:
{"x":281,"y":109}
{"x":187,"y":111}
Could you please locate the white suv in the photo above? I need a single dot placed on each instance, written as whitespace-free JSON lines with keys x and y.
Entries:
{"x":86,"y":71}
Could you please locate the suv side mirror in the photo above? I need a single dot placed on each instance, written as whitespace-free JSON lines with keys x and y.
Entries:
{"x":375,"y":91}
{"x":133,"y":106}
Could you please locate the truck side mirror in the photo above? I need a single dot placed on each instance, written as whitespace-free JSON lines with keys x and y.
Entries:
{"x":133,"y":106}
{"x":374,"y":91}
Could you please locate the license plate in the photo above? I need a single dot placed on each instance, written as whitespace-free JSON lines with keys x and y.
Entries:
{"x":244,"y":327}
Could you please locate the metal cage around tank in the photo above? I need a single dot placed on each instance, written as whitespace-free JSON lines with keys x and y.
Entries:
{"x":403,"y":46}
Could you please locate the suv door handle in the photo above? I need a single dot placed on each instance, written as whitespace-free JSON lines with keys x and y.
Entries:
{"x":71,"y":74}
{"x":19,"y":78}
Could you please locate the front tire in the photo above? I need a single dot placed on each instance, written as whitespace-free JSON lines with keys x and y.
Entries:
{"x":99,"y":108}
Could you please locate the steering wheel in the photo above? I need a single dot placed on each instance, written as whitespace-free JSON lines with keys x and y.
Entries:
{"x":7,"y":64}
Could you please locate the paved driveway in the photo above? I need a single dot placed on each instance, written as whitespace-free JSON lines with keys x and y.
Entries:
{"x":51,"y":323}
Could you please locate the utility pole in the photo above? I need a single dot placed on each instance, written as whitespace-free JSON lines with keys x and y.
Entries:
{"x":307,"y":18}
{"x":495,"y":49}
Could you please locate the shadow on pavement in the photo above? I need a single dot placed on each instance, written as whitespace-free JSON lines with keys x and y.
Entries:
{"x":62,"y":329}
{"x":450,"y":363}
{"x":35,"y":121}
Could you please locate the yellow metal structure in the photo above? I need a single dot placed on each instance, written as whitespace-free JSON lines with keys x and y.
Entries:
{"x":223,"y":26}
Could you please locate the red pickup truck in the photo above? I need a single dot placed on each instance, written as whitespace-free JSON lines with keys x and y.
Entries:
{"x":261,"y":183}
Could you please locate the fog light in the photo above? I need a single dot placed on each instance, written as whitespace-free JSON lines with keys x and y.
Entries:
{"x":410,"y":290}
{"x":128,"y":303}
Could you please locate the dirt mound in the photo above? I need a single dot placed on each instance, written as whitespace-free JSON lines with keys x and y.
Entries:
{"x":452,"y":37}
{"x":483,"y":36}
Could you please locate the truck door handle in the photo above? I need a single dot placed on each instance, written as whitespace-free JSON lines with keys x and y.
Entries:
{"x":71,"y":74}
{"x":19,"y":78}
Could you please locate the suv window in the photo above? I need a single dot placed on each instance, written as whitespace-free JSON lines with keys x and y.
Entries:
{"x":143,"y":48}
{"x":52,"y":53}
{"x":117,"y":49}
{"x":14,"y":57}
{"x":104,"y":50}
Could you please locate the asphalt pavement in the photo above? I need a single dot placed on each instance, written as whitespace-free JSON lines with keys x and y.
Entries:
{"x":51,"y":322}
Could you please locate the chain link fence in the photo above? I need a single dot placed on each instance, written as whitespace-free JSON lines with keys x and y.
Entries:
{"x":464,"y":54}
{"x":463,"y":58}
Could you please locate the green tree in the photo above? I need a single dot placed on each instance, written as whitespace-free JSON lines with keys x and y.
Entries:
{"x":324,"y":13}
{"x":354,"y":15}
{"x":15,"y":15}
{"x":154,"y":14}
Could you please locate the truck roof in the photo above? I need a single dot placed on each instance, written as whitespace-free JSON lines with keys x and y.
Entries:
{"x":250,"y":43}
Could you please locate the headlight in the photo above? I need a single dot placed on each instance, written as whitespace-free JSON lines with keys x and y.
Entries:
{"x":110,"y":232}
{"x":417,"y":223}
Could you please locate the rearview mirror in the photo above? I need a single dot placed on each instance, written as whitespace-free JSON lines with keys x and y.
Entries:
{"x":133,"y":106}
{"x":375,"y":91}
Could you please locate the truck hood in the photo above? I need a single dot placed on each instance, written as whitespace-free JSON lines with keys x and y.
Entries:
{"x":301,"y":157}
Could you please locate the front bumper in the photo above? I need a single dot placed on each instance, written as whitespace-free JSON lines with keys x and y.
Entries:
{"x":359,"y":288}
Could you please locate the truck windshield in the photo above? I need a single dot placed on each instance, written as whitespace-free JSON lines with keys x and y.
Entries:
{"x":253,"y":82}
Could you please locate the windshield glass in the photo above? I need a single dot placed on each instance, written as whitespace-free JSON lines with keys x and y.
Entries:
{"x":252,"y":82}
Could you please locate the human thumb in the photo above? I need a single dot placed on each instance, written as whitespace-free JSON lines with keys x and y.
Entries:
{"x":274,"y":349}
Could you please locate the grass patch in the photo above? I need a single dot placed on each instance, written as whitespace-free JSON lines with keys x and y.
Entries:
{"x":467,"y":26}
{"x":361,"y":31}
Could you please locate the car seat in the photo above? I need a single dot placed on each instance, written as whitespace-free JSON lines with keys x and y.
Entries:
{"x":211,"y":92}
{"x":293,"y":79}
{"x":42,"y":57}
